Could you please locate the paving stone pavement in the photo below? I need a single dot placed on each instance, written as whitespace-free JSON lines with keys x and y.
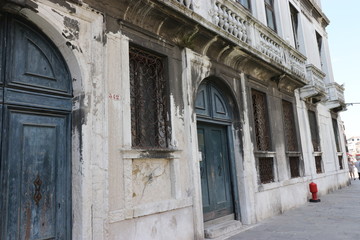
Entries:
{"x":336,"y":217}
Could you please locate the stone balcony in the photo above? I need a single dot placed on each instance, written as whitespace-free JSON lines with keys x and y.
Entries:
{"x":335,"y":94}
{"x":236,"y":21}
{"x":229,"y":33}
{"x":315,"y":90}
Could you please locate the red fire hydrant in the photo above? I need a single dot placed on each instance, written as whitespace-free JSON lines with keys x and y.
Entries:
{"x":313,"y":190}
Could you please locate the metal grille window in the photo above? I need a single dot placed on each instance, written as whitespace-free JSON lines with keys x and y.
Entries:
{"x":294,"y":167}
{"x":261,"y":121}
{"x":336,"y":134}
{"x":270,"y":14}
{"x":266,"y":170}
{"x":314,"y":131}
{"x":318,"y":164}
{"x":289,"y":126}
{"x":150,"y":127}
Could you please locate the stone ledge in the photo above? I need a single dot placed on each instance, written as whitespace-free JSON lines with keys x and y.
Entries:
{"x":220,"y":229}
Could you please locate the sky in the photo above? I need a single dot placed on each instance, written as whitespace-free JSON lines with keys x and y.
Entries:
{"x":344,"y":43}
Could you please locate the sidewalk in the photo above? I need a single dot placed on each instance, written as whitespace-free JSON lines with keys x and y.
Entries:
{"x":336,"y":217}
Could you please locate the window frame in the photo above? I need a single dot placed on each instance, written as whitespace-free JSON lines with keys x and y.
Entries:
{"x":245,"y":3}
{"x":314,"y":132}
{"x":161,"y":111}
{"x":320,"y":43}
{"x":294,"y":15}
{"x":263,"y":157}
{"x":292,"y":150}
{"x":270,"y":15}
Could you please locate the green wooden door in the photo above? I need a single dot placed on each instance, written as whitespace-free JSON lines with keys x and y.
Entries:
{"x":35,"y":132}
{"x":216,"y":187}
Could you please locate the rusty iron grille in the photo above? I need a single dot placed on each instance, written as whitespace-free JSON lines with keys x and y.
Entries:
{"x":318,"y":165}
{"x":341,"y":162}
{"x":261,"y":121}
{"x":289,"y":126}
{"x":314,"y":131}
{"x":150,"y":126}
{"x":266,"y":169}
{"x":294,"y":166}
{"x":336,"y":134}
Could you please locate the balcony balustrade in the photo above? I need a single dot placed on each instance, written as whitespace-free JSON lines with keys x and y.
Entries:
{"x":233,"y":22}
{"x":336,"y":99}
{"x":316,"y":87}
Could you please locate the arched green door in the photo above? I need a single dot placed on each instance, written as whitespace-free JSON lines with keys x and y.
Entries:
{"x":35,"y":96}
{"x":213,"y":121}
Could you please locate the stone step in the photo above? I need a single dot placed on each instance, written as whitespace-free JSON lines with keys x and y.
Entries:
{"x":220,"y":229}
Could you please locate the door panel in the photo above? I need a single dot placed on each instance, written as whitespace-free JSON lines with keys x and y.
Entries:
{"x":2,"y":42}
{"x":203,"y":171}
{"x":220,"y":176}
{"x":215,"y":181}
{"x":35,"y":63}
{"x":37,"y":160}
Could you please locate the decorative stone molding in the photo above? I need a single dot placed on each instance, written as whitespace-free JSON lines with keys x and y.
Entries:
{"x":297,"y":63}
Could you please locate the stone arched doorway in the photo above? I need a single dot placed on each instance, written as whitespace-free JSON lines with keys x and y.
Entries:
{"x":215,"y":141}
{"x":35,"y":117}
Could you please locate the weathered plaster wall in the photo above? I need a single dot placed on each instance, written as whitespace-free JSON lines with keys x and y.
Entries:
{"x":174,"y":224}
{"x":122,"y":193}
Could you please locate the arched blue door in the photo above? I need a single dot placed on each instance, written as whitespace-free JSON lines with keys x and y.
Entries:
{"x":213,"y":121}
{"x":35,"y":96}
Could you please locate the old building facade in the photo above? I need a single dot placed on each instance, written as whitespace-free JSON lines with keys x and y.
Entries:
{"x":163,"y":119}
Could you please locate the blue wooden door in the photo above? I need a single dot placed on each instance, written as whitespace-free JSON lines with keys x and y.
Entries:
{"x":35,"y":135}
{"x":214,"y":170}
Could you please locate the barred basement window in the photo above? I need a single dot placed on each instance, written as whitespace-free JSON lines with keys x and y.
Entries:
{"x":341,"y":162}
{"x":318,"y":165}
{"x":261,"y":121}
{"x":150,"y":125}
{"x":266,"y":170}
{"x":294,"y":167}
{"x":289,"y":126}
